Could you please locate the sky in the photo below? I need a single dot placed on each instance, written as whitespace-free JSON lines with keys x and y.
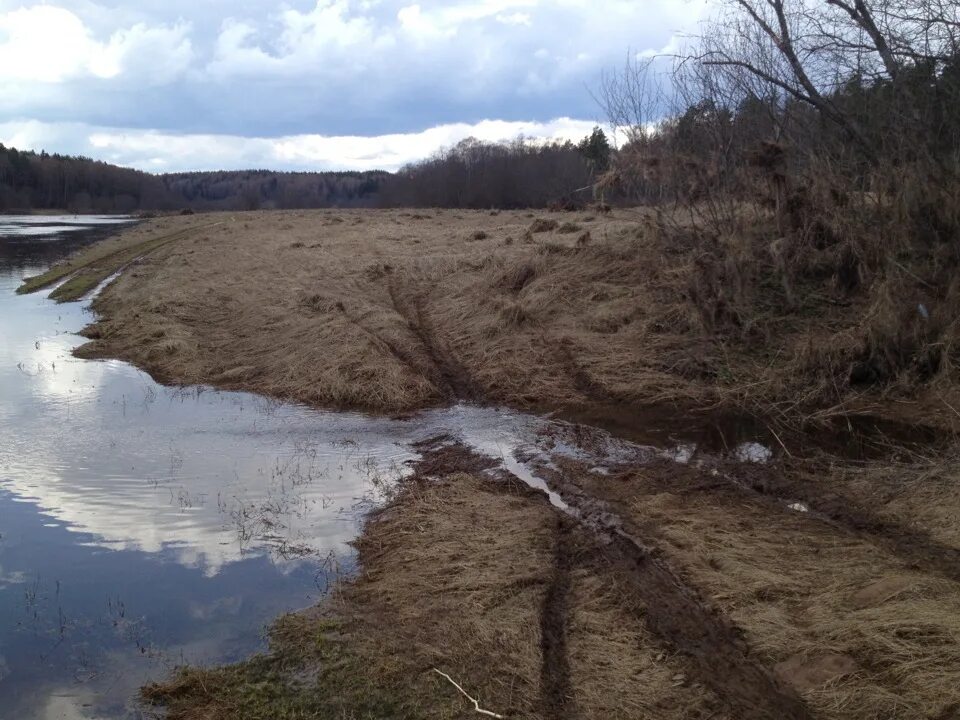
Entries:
{"x":175,"y":85}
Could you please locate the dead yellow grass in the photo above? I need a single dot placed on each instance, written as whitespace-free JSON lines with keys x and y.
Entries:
{"x":617,"y":669}
{"x":390,"y":311}
{"x":858,"y":632}
{"x":453,"y":576}
{"x":913,"y":490}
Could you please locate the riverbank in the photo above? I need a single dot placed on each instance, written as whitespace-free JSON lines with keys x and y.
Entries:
{"x":694,"y":582}
{"x":679,"y":595}
{"x":535,"y":311}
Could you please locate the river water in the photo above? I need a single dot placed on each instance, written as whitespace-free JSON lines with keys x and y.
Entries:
{"x":143,"y":527}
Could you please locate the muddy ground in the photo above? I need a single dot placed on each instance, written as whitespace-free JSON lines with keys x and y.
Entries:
{"x":819,"y":583}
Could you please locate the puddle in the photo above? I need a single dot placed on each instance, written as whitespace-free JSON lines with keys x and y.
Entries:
{"x":142,"y":527}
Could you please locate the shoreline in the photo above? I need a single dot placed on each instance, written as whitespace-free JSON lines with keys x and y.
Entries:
{"x":419,"y":313}
{"x":795,"y":571}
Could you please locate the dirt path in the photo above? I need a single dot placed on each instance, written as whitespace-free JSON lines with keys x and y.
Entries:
{"x":83,"y":273}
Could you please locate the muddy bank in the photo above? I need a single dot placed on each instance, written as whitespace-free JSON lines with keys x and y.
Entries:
{"x":682,"y":601}
{"x":390,"y":311}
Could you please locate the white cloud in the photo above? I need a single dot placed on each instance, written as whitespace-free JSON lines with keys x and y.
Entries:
{"x":156,"y":151}
{"x":263,"y":69}
{"x":307,"y":42}
{"x":48,"y":44}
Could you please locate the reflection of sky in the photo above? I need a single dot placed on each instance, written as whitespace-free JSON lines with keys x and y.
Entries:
{"x":17,"y":225}
{"x":84,"y":627}
{"x":101,"y":448}
{"x":141,"y":527}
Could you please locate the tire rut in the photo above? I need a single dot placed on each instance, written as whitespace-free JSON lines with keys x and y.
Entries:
{"x":584,"y":384}
{"x":556,"y":690}
{"x":911,"y":545}
{"x":397,"y":352}
{"x":712,"y":645}
{"x":776,"y":493}
{"x":448,"y":374}
{"x":674,"y":612}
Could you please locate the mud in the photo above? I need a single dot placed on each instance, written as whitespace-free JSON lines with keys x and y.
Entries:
{"x":555,"y":686}
{"x":710,"y":644}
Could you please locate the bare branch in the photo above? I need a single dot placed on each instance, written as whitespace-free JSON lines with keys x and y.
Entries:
{"x":476,"y":704}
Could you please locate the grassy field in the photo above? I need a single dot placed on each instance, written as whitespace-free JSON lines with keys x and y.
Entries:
{"x":823,"y":584}
{"x":391,"y":311}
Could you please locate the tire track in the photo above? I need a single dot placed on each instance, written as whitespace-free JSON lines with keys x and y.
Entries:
{"x":447,"y":373}
{"x":673,"y":611}
{"x":556,"y":690}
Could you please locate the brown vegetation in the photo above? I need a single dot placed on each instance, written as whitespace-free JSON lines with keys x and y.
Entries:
{"x":379,"y":311}
{"x":676,"y":596}
{"x":693,"y":589}
{"x":859,"y":631}
{"x":459,"y":555}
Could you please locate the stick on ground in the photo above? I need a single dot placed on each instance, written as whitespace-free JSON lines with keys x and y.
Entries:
{"x":476,"y":704}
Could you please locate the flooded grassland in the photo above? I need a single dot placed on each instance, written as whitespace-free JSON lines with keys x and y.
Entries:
{"x":678,"y":564}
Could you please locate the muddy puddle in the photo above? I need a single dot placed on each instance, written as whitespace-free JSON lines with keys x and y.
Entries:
{"x":748,"y":437}
{"x":142,"y":527}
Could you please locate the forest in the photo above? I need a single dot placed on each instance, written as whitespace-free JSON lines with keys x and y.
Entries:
{"x":40,"y":181}
{"x":472,"y":174}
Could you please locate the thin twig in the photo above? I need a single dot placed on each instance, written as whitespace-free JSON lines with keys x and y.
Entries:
{"x":789,"y":454}
{"x":950,"y":406}
{"x":476,"y":704}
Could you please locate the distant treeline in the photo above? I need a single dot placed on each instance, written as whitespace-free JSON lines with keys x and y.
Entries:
{"x":472,"y":174}
{"x":32,"y":181}
{"x":476,"y":174}
{"x":263,"y":189}
{"x":39,"y":181}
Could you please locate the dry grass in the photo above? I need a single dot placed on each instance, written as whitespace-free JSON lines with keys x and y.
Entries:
{"x":368,"y":309}
{"x":453,"y":577}
{"x":617,"y":670}
{"x":390,"y":311}
{"x":801,"y":590}
{"x":916,"y":491}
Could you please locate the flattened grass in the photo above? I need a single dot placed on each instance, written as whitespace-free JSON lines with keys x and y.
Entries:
{"x":87,"y":269}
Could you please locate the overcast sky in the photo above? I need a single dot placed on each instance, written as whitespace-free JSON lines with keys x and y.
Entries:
{"x":167,"y":85}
